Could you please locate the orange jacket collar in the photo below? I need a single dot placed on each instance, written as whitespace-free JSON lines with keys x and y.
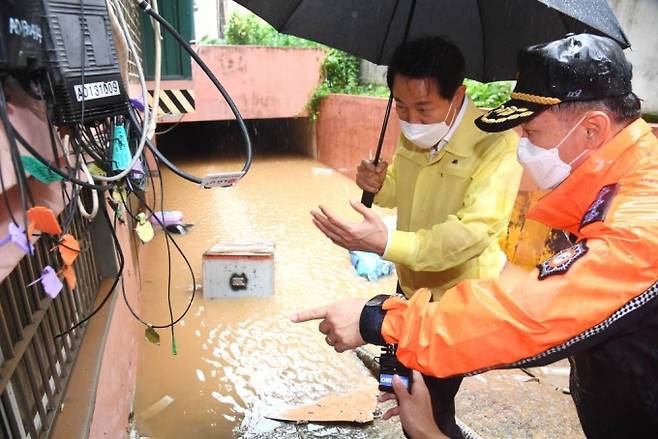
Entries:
{"x":563,"y":207}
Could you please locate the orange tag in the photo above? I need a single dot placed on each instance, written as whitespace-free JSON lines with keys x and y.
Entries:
{"x":43,"y":219}
{"x":69,"y":276}
{"x":69,"y":248}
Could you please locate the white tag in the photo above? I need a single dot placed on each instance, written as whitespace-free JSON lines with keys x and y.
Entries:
{"x":97,"y":90}
{"x":224,"y":179}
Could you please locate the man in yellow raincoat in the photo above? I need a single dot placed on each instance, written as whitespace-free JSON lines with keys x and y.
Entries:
{"x":596,"y":302}
{"x":453,"y":185}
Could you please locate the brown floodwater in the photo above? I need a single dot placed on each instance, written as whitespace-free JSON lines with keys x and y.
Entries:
{"x":240,"y":359}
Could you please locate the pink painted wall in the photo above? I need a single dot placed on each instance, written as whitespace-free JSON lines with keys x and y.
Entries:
{"x":348,"y":128}
{"x":115,"y":392}
{"x":117,"y":381}
{"x":29,"y":118}
{"x":264,"y":82}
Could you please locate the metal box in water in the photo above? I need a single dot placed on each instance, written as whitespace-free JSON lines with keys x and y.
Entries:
{"x":234,"y":270}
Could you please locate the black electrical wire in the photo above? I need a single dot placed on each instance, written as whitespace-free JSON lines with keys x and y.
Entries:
{"x":71,"y":205}
{"x":171,"y":312}
{"x":167,"y":235}
{"x":117,"y":278}
{"x":5,"y":198}
{"x":19,"y":172}
{"x":243,"y":128}
{"x":57,"y":171}
{"x":187,"y":262}
{"x":175,"y":169}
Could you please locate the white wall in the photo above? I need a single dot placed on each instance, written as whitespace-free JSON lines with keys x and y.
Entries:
{"x":205,"y":18}
{"x":639,"y":19}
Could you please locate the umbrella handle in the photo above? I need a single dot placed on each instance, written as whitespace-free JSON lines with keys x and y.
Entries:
{"x":367,"y":198}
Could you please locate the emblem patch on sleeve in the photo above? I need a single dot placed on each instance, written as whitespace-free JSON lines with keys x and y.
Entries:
{"x":599,"y":206}
{"x":560,"y":262}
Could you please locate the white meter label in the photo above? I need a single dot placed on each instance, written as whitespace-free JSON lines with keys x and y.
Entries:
{"x":97,"y":90}
{"x":226,"y":179}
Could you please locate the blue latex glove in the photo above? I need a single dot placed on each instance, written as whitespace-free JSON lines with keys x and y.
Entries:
{"x":370,"y":265}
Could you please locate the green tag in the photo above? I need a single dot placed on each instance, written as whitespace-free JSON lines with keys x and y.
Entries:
{"x":152,"y":335}
{"x":38,"y":170}
{"x":121,"y":155}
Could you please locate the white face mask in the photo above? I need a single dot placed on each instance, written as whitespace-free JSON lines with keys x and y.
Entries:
{"x":545,"y":165}
{"x":425,"y":136}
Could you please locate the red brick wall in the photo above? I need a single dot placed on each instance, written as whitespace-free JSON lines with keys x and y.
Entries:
{"x":348,"y":128}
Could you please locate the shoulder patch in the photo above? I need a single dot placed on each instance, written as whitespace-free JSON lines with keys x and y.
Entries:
{"x":599,"y":206}
{"x":560,"y":262}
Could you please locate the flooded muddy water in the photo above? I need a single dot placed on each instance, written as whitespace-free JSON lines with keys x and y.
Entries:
{"x":240,"y":359}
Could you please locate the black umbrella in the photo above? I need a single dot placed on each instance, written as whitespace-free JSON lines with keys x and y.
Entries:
{"x":489,"y":32}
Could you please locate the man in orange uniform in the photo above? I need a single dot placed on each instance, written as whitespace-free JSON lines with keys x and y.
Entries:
{"x":596,"y":302}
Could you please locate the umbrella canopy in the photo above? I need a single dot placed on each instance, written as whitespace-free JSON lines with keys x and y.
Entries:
{"x":489,"y":32}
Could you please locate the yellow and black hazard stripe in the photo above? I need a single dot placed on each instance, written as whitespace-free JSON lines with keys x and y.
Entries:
{"x":174,"y":101}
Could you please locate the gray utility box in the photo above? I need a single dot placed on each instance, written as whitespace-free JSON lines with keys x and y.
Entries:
{"x":241,"y":269}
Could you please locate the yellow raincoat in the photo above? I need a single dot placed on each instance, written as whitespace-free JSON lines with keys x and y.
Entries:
{"x":451,"y":208}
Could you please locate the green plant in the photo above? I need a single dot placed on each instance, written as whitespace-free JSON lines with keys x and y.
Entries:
{"x":488,"y":95}
{"x":249,"y":29}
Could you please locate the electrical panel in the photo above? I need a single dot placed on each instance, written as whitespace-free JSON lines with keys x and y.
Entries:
{"x":82,"y":62}
{"x":21,"y":35}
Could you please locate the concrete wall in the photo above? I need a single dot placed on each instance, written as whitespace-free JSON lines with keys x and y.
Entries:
{"x":348,"y":128}
{"x":372,"y":73}
{"x":264,"y":82}
{"x":208,"y":18}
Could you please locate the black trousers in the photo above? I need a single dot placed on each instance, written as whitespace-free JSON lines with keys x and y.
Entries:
{"x":442,"y":393}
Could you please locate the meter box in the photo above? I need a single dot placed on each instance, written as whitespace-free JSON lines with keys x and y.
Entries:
{"x":239,"y":269}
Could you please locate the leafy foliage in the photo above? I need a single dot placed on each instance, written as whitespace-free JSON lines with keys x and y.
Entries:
{"x":488,"y":95}
{"x":249,"y":29}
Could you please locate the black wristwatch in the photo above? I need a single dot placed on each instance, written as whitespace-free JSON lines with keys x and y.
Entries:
{"x":372,"y":318}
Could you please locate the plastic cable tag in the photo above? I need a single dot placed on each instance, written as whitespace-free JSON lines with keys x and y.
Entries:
{"x":39,"y":171}
{"x":121,"y":156}
{"x":225,"y":179}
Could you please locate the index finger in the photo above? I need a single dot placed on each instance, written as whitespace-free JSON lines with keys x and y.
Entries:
{"x":309,"y":314}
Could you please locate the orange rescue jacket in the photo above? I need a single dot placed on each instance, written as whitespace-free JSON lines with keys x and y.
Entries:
{"x":610,"y":203}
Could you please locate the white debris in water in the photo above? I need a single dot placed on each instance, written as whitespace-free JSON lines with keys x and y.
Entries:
{"x":200,"y":376}
{"x":323,"y":171}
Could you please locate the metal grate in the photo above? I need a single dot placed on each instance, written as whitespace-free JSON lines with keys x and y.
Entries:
{"x":133,"y":17}
{"x":35,"y":366}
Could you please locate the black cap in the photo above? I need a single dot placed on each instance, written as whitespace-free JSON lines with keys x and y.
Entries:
{"x":576,"y":68}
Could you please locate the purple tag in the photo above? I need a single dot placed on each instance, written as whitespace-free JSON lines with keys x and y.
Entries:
{"x":137,"y":104}
{"x":50,"y":281}
{"x":17,"y":236}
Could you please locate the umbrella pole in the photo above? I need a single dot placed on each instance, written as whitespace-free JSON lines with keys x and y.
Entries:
{"x":367,"y":198}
